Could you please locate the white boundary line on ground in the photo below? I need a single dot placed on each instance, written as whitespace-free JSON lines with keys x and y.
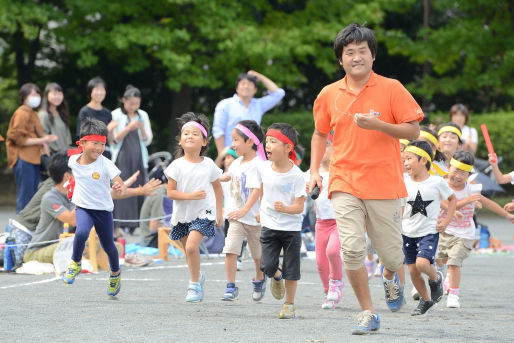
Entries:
{"x":31,"y":283}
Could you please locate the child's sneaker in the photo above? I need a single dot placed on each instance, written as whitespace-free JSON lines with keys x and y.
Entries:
{"x":446,"y":284}
{"x":231,"y":292}
{"x":452,"y":301}
{"x":328,"y":305}
{"x":414,"y":293}
{"x":73,"y":270}
{"x":436,"y":288}
{"x":114,"y":285}
{"x":393,"y":292}
{"x":423,"y":307}
{"x":335,"y":290}
{"x":378,"y":270}
{"x":287,"y":311}
{"x":370,"y":267}
{"x":259,"y":289}
{"x":367,"y":323}
{"x":195,"y":290}
{"x":278,"y":289}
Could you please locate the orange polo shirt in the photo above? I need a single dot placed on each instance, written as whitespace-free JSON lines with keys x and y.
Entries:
{"x":365,"y":163}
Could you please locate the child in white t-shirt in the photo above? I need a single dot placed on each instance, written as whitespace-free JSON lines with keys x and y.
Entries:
{"x":93,"y":173}
{"x":283,"y":198}
{"x":456,"y":243}
{"x":502,"y":178}
{"x":194,"y":187}
{"x":242,"y":206}
{"x":420,"y":228}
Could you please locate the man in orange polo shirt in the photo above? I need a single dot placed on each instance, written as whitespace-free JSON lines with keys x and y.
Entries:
{"x":368,"y":113}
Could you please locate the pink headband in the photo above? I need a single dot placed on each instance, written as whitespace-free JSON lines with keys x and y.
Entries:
{"x":195,"y":124}
{"x":249,"y":134}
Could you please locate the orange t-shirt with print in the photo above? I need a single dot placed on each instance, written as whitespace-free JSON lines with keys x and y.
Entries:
{"x":365,"y":163}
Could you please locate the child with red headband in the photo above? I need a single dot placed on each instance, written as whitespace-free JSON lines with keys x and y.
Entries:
{"x":283,"y":198}
{"x":242,"y":206}
{"x":194,"y":186}
{"x":92,"y":195}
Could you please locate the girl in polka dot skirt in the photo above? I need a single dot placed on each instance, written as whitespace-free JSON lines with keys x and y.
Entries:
{"x":194,"y":186}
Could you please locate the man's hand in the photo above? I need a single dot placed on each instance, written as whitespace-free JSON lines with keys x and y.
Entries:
{"x":255,"y":74}
{"x":367,"y":121}
{"x":315,"y":180}
{"x":198,"y":195}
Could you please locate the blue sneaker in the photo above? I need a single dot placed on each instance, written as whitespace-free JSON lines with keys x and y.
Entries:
{"x":367,"y":323}
{"x":259,"y":289}
{"x":393,"y":292}
{"x":231,"y":292}
{"x":195,"y":290}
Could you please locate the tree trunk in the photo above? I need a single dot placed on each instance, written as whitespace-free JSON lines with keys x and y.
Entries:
{"x":24,"y":70}
{"x":179,"y":103}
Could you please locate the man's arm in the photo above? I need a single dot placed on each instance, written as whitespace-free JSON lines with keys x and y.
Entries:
{"x":270,"y":85}
{"x":69,"y":217}
{"x":220,"y":143}
{"x":318,"y":147}
{"x":409,"y":130}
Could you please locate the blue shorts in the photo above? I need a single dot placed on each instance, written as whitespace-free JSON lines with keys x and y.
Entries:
{"x":425,"y":247}
{"x":203,"y":225}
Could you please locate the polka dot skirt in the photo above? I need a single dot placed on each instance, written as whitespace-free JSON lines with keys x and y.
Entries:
{"x":203,"y":225}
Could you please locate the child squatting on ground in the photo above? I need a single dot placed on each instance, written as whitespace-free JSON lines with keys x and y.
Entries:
{"x":283,"y":198}
{"x":194,"y":187}
{"x":243,"y":206}
{"x":93,"y":173}
{"x":420,"y":227}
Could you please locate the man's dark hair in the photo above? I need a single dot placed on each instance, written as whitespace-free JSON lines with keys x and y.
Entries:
{"x":424,"y":146}
{"x":354,"y":33}
{"x":25,"y":91}
{"x":96,"y":81}
{"x":58,"y":166}
{"x":287,"y":130}
{"x":92,"y":126}
{"x":254,"y":128}
{"x":248,"y":77}
{"x":199,"y":118}
{"x":464,"y":157}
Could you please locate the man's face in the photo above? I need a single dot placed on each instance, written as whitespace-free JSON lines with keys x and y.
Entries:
{"x":246,"y":88}
{"x":357,"y":60}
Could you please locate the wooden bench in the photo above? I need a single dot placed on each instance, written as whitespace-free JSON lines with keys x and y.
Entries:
{"x":163,"y":239}
{"x":97,"y":255}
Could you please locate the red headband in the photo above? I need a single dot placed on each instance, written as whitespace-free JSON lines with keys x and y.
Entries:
{"x":284,"y":139}
{"x":97,"y":138}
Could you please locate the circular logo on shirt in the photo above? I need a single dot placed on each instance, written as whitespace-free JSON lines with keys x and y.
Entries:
{"x":95,"y":175}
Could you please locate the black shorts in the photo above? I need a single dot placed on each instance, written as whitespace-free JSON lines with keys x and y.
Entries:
{"x":272,"y":242}
{"x":425,"y":247}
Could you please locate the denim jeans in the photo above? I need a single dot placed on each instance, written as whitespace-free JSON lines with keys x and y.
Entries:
{"x":26,"y":176}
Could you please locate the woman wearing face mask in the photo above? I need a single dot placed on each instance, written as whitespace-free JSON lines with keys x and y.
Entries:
{"x":26,"y":142}
{"x":54,"y":116}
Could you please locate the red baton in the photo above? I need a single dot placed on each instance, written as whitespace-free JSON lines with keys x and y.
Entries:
{"x":487,"y":140}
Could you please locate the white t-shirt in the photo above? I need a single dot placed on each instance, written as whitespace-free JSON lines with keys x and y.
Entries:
{"x":324,"y":208}
{"x":93,"y":183}
{"x":469,"y":131}
{"x":422,"y":205}
{"x":464,"y":228}
{"x":192,"y":177}
{"x":225,"y":187}
{"x":284,"y":187}
{"x":244,"y":180}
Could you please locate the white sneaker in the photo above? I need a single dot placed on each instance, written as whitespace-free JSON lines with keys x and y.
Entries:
{"x":452,"y":301}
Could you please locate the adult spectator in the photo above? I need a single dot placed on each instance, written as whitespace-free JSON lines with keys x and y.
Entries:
{"x":131,"y":136}
{"x":26,"y":142}
{"x":54,"y":115}
{"x":96,"y":91}
{"x":155,"y":207}
{"x":459,"y":114}
{"x":243,"y":106}
{"x":368,"y":114}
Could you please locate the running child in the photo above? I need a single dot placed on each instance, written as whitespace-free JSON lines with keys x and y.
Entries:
{"x":328,"y":247}
{"x":456,"y":243}
{"x":450,"y":140}
{"x":420,"y":227}
{"x":93,"y":173}
{"x":283,"y":198}
{"x":243,"y":207}
{"x":439,"y":160}
{"x":194,"y":187}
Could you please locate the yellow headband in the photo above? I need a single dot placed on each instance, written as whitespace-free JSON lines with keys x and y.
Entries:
{"x":438,"y":170}
{"x":451,"y":129}
{"x":428,"y":136}
{"x":460,"y":165}
{"x":404,"y":141}
{"x":418,"y":151}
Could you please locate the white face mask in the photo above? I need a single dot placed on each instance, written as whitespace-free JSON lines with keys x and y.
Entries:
{"x":34,"y":101}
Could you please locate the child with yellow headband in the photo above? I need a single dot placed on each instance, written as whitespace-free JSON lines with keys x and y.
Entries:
{"x":502,"y":178}
{"x":456,"y":243}
{"x":439,"y":160}
{"x":420,"y":227}
{"x":450,"y":139}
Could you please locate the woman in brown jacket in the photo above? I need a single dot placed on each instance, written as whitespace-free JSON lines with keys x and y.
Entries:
{"x":25,"y":143}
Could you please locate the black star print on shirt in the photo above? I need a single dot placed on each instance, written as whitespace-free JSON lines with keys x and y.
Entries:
{"x":419,"y":206}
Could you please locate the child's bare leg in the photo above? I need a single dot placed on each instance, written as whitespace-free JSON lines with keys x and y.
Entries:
{"x":401,"y":274}
{"x":231,"y":267}
{"x":291,"y":290}
{"x":418,"y":281}
{"x":259,"y":275}
{"x":193,"y":254}
{"x":426,"y":268}
{"x":454,"y":272}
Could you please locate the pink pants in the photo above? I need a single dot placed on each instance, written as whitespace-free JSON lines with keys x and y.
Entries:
{"x":328,"y":251}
